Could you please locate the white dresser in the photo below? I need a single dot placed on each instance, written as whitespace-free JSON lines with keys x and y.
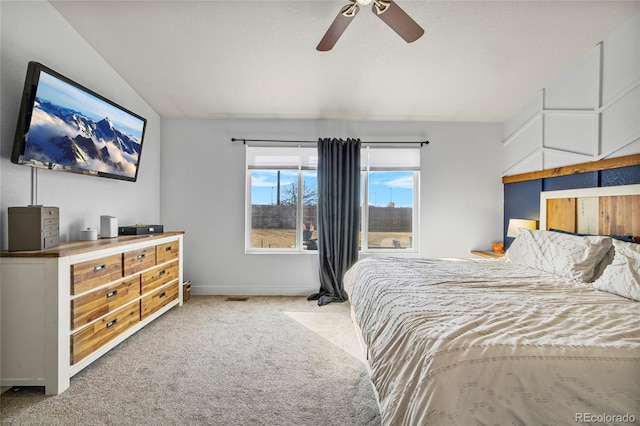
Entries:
{"x":62,"y":308}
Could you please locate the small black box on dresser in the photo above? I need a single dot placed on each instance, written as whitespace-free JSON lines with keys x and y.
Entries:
{"x":140,"y":229}
{"x":33,"y":227}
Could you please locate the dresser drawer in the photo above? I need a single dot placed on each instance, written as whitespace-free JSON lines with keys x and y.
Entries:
{"x":167,"y":252}
{"x":50,"y":213}
{"x":50,"y":227}
{"x":157,"y":300}
{"x":48,"y":221}
{"x":138,"y":260}
{"x":47,"y":233}
{"x":88,"y":275}
{"x":158,"y":277}
{"x":92,"y":338}
{"x":51,"y":241}
{"x":88,"y":307}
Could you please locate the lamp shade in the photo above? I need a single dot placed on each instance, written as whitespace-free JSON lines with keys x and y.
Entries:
{"x":515,"y":224}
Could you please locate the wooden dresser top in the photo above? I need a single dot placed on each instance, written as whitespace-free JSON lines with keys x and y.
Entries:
{"x":71,"y":248}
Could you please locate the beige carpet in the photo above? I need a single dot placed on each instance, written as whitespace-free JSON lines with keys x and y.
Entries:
{"x":218,"y":361}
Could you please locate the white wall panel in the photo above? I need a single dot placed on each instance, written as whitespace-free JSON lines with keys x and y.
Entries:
{"x":621,"y":59}
{"x":577,"y":88}
{"x":621,"y":122}
{"x":552,"y":159}
{"x":520,"y":118}
{"x":523,"y":143}
{"x":571,"y":132}
{"x":531,"y":163}
{"x":578,"y":126}
{"x":632,"y":148}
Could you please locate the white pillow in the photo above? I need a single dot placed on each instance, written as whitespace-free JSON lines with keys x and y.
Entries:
{"x":606,"y":261}
{"x":622,"y":276}
{"x":569,"y":256}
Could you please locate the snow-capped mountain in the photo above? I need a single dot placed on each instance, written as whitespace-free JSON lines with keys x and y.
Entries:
{"x":104,"y":130}
{"x":62,"y":136}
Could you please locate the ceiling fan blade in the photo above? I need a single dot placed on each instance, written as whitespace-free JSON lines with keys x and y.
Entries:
{"x":398,"y":20}
{"x":338,"y":26}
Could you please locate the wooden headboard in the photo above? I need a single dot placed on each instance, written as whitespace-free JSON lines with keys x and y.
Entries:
{"x":611,"y":210}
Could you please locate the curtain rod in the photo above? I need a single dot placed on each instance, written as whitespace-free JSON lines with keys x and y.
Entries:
{"x":244,"y":141}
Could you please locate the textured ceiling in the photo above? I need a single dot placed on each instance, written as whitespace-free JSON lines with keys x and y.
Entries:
{"x":478,"y":60}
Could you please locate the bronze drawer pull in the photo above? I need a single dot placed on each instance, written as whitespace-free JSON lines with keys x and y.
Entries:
{"x":167,"y":248}
{"x":112,"y":293}
{"x":112,"y":323}
{"x":161,"y":273}
{"x":163,"y":294}
{"x":141,"y":256}
{"x":98,"y":268}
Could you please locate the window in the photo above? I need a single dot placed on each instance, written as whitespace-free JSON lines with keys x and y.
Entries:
{"x":390,"y":179}
{"x":282,"y":199}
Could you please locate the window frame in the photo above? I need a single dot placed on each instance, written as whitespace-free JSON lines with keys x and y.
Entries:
{"x":305,"y":161}
{"x":364,"y":202}
{"x":364,"y":223}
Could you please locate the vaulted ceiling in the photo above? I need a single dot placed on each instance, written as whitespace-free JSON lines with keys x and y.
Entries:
{"x":477,"y":61}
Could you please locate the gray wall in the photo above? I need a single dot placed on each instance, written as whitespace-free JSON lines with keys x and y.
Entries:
{"x":35,"y":31}
{"x":203,"y":193}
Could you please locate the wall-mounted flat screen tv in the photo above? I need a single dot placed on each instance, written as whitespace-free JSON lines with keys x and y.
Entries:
{"x":64,"y":126}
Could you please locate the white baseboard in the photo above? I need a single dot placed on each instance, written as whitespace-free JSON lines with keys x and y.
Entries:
{"x":251,"y":291}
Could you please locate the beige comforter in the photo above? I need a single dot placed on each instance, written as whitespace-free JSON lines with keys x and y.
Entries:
{"x":488,"y":342}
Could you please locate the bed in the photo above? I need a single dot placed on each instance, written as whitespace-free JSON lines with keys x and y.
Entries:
{"x":549,"y":334}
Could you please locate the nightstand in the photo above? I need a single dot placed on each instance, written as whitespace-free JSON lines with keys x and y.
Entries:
{"x":487,"y":253}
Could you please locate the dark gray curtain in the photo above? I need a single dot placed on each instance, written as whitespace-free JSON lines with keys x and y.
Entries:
{"x":338,"y":215}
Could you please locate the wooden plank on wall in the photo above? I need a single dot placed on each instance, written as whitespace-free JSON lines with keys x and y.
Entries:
{"x":588,"y":215}
{"x":591,"y":166}
{"x":561,"y":214}
{"x":620,"y":215}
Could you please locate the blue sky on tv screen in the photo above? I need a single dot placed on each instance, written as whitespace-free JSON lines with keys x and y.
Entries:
{"x":63,"y":94}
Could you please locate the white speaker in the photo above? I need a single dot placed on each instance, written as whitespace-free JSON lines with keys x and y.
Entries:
{"x":108,"y":227}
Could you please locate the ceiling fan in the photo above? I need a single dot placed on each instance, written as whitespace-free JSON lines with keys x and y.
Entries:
{"x":387,"y":10}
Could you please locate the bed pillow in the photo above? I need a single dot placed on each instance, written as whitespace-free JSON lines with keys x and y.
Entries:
{"x":568,"y":256}
{"x":622,"y":276}
{"x":608,"y":258}
{"x":606,"y":261}
{"x":627,"y":238}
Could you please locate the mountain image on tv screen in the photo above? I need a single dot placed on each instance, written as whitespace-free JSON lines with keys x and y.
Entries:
{"x":71,"y":128}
